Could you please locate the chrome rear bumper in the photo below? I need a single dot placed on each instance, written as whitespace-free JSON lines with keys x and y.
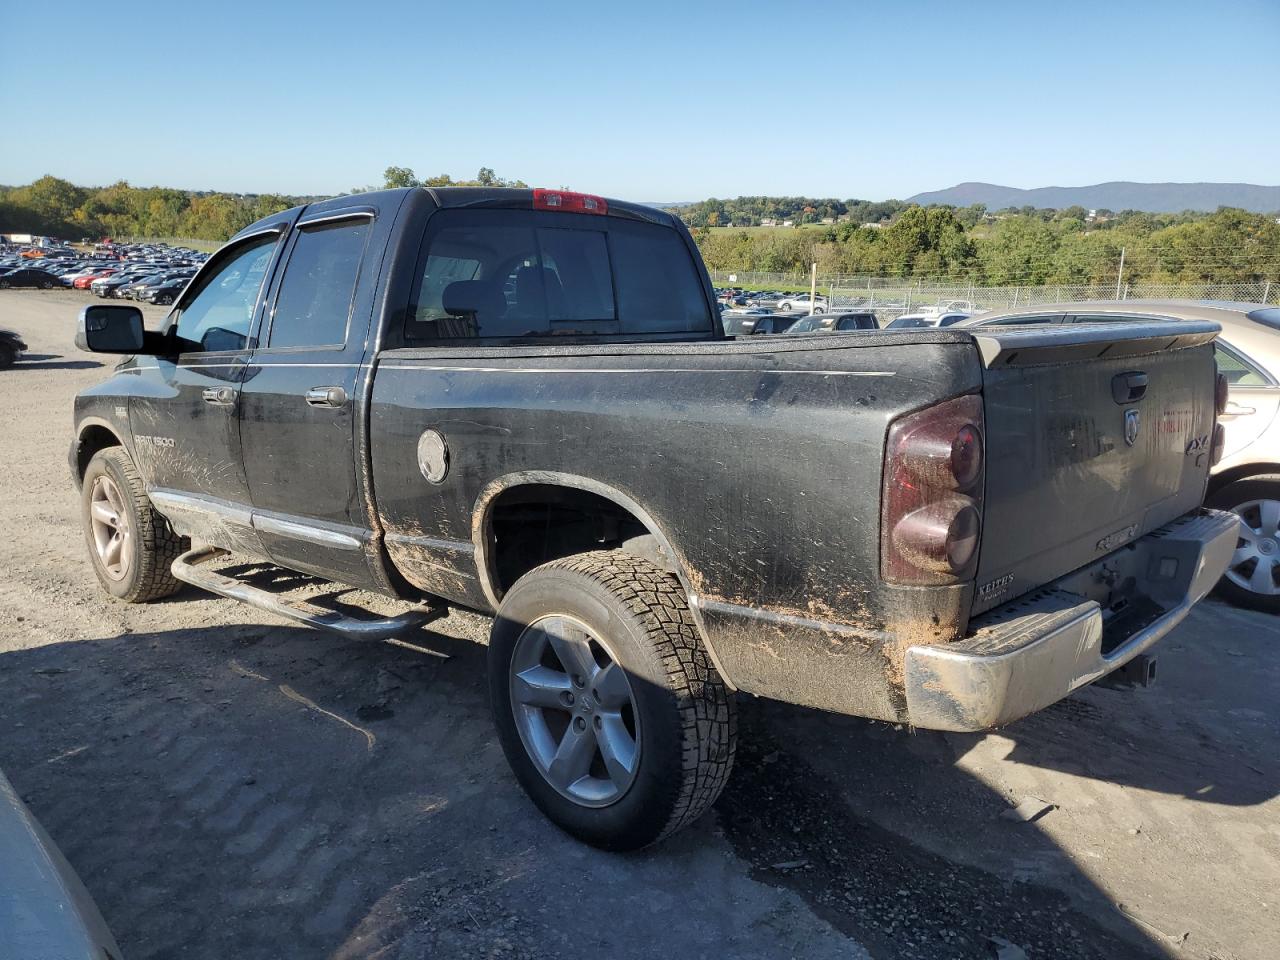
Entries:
{"x":1034,"y":651}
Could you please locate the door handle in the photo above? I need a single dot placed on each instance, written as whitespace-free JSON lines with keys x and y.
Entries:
{"x":1128,"y":387}
{"x":219,"y":396}
{"x":327,"y":397}
{"x":1235,"y":410}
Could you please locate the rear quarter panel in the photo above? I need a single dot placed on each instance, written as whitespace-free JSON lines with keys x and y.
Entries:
{"x":758,"y":462}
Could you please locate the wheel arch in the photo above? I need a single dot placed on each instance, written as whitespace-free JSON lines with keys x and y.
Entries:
{"x":490,"y":500}
{"x":92,"y":435}
{"x":1244,"y":471}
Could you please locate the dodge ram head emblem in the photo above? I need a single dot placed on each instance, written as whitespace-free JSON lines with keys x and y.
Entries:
{"x":1132,"y":423}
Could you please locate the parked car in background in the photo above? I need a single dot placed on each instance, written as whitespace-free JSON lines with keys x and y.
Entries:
{"x":106,"y":286}
{"x":753,"y":322}
{"x":12,"y":347}
{"x":835,"y":323}
{"x":45,"y":911}
{"x":927,"y":318}
{"x":1246,"y":480}
{"x":803,"y":304}
{"x":82,"y":282}
{"x":28,"y":277}
{"x":164,"y":292}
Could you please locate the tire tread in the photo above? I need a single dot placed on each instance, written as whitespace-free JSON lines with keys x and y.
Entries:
{"x":158,"y":545}
{"x":708,"y":711}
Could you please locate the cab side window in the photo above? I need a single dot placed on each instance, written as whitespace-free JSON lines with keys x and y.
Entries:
{"x":218,"y":313}
{"x":314,"y":301}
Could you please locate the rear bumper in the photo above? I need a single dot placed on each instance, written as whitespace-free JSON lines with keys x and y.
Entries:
{"x":1034,"y":651}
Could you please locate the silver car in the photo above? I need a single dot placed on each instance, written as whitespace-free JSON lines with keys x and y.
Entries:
{"x":45,"y":910}
{"x":1247,"y":478}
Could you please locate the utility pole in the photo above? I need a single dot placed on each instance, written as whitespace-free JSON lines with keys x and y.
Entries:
{"x":813,"y":288}
{"x":1120,"y":275}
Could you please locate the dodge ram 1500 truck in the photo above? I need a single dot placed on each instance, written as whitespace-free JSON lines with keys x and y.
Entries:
{"x":523,"y":403}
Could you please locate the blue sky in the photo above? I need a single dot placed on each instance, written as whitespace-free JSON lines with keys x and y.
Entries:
{"x":646,"y":101}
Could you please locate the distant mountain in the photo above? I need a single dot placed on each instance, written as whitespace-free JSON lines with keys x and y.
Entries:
{"x":1117,"y":195}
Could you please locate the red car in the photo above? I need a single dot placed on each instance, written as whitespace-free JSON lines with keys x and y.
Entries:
{"x":82,"y":283}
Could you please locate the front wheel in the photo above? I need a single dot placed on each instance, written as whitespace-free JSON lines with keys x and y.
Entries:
{"x":786,"y":308}
{"x":131,"y":546}
{"x":608,"y":708}
{"x":1253,"y":575}
{"x":7,"y":356}
{"x":4,"y":284}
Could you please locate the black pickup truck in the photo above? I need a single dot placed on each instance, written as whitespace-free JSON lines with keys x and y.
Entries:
{"x":523,"y":403}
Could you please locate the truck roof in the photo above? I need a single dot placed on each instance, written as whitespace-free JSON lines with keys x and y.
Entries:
{"x":504,"y":198}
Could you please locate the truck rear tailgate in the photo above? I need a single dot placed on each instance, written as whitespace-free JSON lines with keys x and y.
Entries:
{"x":1096,"y":435}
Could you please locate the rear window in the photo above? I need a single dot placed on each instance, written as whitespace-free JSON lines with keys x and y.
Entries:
{"x":512,"y":274}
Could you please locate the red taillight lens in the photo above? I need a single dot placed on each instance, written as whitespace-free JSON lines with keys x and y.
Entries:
{"x":932,"y":502}
{"x":566,"y":201}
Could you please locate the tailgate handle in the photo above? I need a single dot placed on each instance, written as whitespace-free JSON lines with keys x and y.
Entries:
{"x":1129,"y":387}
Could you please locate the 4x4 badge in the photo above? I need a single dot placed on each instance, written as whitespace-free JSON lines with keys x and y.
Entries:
{"x":1132,"y":424}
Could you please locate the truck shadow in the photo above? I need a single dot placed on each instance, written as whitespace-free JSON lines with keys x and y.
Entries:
{"x":52,"y":361}
{"x":265,"y":791}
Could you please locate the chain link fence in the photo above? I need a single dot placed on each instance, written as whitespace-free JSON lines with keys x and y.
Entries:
{"x":893,"y":298}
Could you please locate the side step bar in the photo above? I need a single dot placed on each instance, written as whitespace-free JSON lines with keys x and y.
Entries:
{"x":187,"y":569}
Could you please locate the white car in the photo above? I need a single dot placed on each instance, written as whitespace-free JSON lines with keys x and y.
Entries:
{"x":803,"y":304}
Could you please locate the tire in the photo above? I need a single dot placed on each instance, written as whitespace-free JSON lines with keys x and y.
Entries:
{"x":165,"y":300}
{"x":4,"y":284}
{"x":7,"y":357}
{"x":683,"y":719}
{"x":1259,"y":544}
{"x":46,"y":285}
{"x":149,"y":545}
{"x":785,"y":308}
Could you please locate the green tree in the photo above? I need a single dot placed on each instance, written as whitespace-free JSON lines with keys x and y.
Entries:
{"x":394,"y":177}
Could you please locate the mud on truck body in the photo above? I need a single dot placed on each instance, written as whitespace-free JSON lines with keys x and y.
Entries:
{"x":523,"y":403}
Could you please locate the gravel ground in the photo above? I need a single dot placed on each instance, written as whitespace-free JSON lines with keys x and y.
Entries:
{"x":229,"y":786}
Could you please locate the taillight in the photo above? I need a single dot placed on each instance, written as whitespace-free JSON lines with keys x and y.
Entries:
{"x":931,"y":519}
{"x":566,"y":201}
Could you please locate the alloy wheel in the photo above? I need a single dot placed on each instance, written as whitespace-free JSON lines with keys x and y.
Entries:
{"x":112,"y":538}
{"x":575,"y":711}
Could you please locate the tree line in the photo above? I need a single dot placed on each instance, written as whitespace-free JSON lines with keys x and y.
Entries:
{"x":1022,"y":246}
{"x":58,"y":208}
{"x":1027,"y":246}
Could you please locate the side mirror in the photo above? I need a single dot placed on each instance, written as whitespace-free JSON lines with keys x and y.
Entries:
{"x":111,"y":329}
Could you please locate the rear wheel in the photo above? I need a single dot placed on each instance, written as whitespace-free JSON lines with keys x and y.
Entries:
{"x":131,"y":546}
{"x":610,"y":713}
{"x":46,"y":284}
{"x":1253,"y":576}
{"x":4,"y":284}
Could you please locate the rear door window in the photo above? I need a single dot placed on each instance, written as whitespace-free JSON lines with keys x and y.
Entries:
{"x":314,"y":301}
{"x":1238,"y":370}
{"x":512,"y":274}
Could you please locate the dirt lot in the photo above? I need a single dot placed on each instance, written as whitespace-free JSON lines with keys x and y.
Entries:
{"x":232,"y":787}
